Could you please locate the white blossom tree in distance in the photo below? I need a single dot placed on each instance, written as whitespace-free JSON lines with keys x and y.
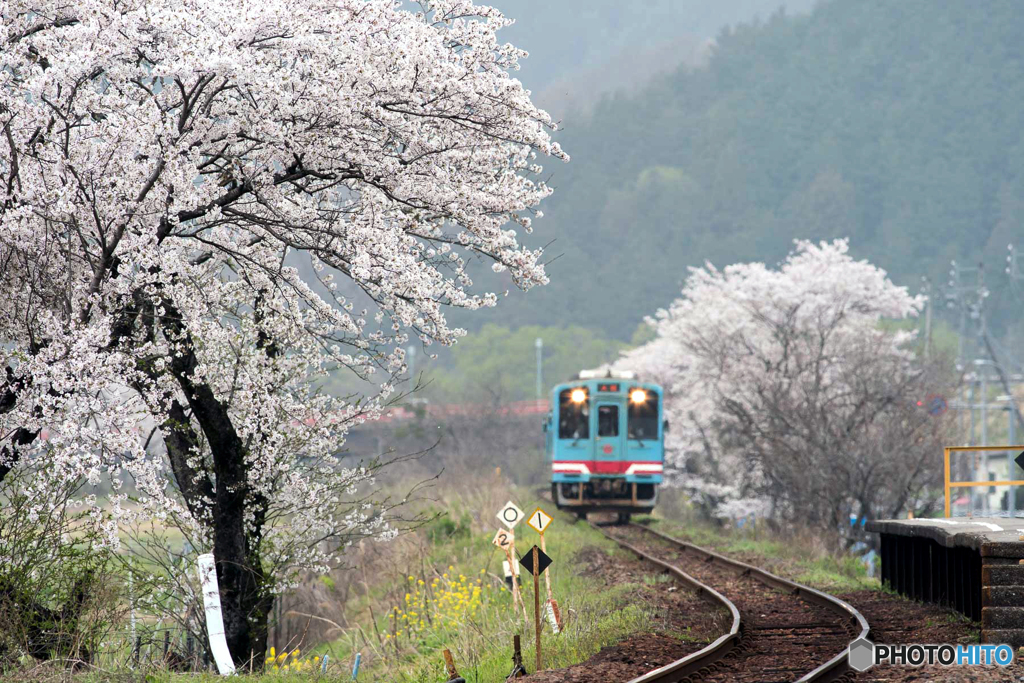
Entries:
{"x":788,"y":395}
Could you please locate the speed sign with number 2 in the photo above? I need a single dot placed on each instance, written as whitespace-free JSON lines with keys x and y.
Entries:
{"x":504,"y":539}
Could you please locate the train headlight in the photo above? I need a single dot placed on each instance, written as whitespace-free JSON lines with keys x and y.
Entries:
{"x":578,"y":396}
{"x":638,"y":396}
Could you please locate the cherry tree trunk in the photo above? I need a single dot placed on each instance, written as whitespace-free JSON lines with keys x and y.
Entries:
{"x":240,"y":576}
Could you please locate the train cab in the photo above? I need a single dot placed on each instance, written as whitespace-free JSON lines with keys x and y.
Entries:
{"x":605,"y":442}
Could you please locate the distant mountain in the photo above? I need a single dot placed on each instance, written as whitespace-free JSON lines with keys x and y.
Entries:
{"x":583,"y":49}
{"x":898,"y":124}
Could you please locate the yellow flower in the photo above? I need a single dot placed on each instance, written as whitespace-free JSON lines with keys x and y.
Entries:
{"x":272,"y":653}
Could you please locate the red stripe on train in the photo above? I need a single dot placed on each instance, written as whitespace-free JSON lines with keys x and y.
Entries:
{"x":607,"y":466}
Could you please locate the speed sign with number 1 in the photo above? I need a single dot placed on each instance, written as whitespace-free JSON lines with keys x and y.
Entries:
{"x":539,"y":520}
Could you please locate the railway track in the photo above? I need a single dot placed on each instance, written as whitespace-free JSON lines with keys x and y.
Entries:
{"x":781,"y":630}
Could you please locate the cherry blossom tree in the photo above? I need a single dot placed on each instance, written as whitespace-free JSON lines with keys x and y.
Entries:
{"x":166,"y":168}
{"x":787,"y":395}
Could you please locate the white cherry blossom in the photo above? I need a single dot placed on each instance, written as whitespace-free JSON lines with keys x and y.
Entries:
{"x":166,"y":167}
{"x":740,"y":331}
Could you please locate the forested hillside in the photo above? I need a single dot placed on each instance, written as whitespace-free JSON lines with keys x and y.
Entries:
{"x":580,"y":49}
{"x":896,"y":124}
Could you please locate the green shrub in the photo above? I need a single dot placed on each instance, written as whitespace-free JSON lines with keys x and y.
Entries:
{"x":444,"y":528}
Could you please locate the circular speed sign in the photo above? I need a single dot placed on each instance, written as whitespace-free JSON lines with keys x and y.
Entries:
{"x":510,"y":515}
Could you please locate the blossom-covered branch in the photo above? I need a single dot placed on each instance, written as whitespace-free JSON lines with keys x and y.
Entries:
{"x":168,"y":168}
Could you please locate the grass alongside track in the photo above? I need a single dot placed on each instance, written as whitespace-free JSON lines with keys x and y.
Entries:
{"x":480,"y":636}
{"x":599,"y":615}
{"x":800,"y":558}
{"x":443,"y":590}
{"x":462,"y":605}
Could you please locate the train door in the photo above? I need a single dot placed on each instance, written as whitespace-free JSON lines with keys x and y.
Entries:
{"x":609,"y":437}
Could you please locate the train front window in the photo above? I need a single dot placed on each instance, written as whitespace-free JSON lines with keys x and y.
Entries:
{"x":573,"y":417}
{"x":643,"y":415}
{"x":607,"y":420}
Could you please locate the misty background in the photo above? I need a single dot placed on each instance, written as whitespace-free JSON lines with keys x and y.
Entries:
{"x":723,"y":131}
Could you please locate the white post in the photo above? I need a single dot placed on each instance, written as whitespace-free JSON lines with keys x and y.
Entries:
{"x":539,"y":344}
{"x":927,"y":318}
{"x":214,"y":618}
{"x":1011,"y":500}
{"x":131,"y":603}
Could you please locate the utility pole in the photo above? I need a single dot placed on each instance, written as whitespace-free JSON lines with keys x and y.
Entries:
{"x":986,"y":350}
{"x":1011,"y":497}
{"x":978,"y":313}
{"x":1003,"y":379}
{"x":970,"y":404}
{"x":970,"y":300}
{"x":540,"y":367}
{"x":411,"y":352}
{"x":956,"y":297}
{"x":927,"y":318}
{"x":984,"y":408}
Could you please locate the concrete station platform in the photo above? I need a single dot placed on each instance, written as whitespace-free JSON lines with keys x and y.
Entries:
{"x":971,"y":564}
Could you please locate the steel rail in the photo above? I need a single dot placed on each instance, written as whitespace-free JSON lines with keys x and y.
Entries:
{"x":831,"y":670}
{"x":695,"y":661}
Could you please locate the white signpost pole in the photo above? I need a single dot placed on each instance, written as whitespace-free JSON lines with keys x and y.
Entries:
{"x":214,"y":618}
{"x":510,"y":515}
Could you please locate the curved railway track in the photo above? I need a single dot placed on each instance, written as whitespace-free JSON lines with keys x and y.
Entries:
{"x":781,"y":630}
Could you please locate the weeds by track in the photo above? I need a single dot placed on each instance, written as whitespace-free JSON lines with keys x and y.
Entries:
{"x":781,"y":630}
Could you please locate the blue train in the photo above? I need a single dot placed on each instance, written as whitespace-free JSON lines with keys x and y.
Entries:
{"x":605,"y":440}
